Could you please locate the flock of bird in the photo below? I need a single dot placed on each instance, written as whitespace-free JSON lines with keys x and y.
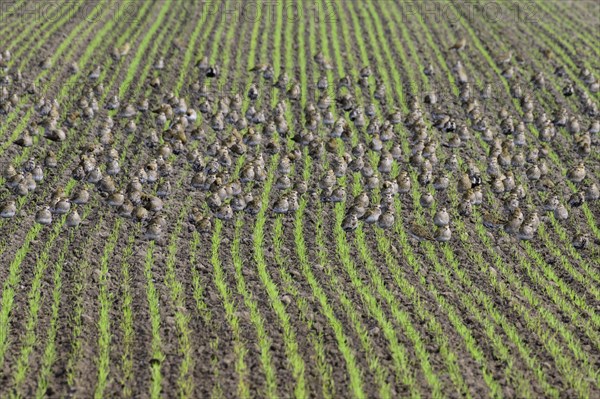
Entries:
{"x":166,"y":126}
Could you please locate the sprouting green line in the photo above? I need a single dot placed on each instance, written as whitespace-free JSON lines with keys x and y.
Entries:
{"x":104,"y":327}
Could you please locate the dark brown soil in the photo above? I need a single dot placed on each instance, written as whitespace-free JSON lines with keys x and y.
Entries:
{"x":494,"y":322}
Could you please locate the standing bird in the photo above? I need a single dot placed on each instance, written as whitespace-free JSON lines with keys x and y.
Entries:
{"x":386,"y":220}
{"x":8,"y":209}
{"x":443,"y":234}
{"x":25,"y":141}
{"x":526,"y":231}
{"x":44,"y":216}
{"x":282,"y":205}
{"x":459,"y":45}
{"x":372,"y":215}
{"x":153,"y":231}
{"x":577,"y":174}
{"x":441,"y":218}
{"x":561,"y":212}
{"x":73,"y":220}
{"x":505,"y":58}
{"x":515,"y":221}
{"x":350,"y":222}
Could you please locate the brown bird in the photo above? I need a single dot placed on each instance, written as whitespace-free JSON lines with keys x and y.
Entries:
{"x":577,"y":174}
{"x":8,"y":209}
{"x":419,"y":232}
{"x":459,"y":45}
{"x":505,"y":58}
{"x":25,"y":141}
{"x":350,"y":222}
{"x":73,"y":220}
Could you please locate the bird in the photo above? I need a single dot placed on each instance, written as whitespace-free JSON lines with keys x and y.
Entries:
{"x":526,"y":231}
{"x":73,"y":219}
{"x":357,"y":210}
{"x":505,"y":58}
{"x":159,"y":65}
{"x":46,"y":63}
{"x":253,"y":92}
{"x":464,"y":183}
{"x":551,"y":203}
{"x":404,"y":183}
{"x":577,"y":174}
{"x":44,"y":216}
{"x":514,"y":222}
{"x":213,"y":71}
{"x":8,"y":209}
{"x":14,"y":180}
{"x":459,"y":45}
{"x":113,"y":168}
{"x":534,"y":173}
{"x":441,"y":217}
{"x":238,"y":203}
{"x":24,"y":141}
{"x":126,"y":209}
{"x":95,"y":74}
{"x":477,"y":195}
{"x":492,"y":220}
{"x":203,"y":64}
{"x":328,"y":180}
{"x":163,"y":189}
{"x":592,"y":193}
{"x":420,"y":233}
{"x":443,"y":234}
{"x":29,"y":165}
{"x":128,"y":111}
{"x":350,"y":222}
{"x":372,"y":215}
{"x":106,"y":185}
{"x":429,"y":69}
{"x":580,"y":241}
{"x":385,"y":163}
{"x":508,"y":72}
{"x":61,"y":207}
{"x":465,"y":208}
{"x":94,"y":176}
{"x":576,"y":199}
{"x":116,"y":199}
{"x":37,"y":173}
{"x":81,"y":197}
{"x":21,"y":189}
{"x":260,"y":68}
{"x":282,"y":205}
{"x":50,"y":160}
{"x":153,"y":203}
{"x":389,"y":187}
{"x":366,"y":71}
{"x":29,"y":182}
{"x":561,"y":212}
{"x":140,"y":213}
{"x":57,"y":135}
{"x":204,"y":225}
{"x":386,"y":220}
{"x":293,"y":204}
{"x":388,"y":202}
{"x":253,"y":206}
{"x":362,"y":199}
{"x":282,"y":81}
{"x":153,"y":231}
{"x":225,"y":212}
{"x":337,"y":194}
{"x":426,"y":200}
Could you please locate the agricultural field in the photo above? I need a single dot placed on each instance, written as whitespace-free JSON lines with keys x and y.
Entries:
{"x":311,"y":199}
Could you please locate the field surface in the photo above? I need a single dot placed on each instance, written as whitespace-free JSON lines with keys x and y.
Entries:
{"x":314,"y":199}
